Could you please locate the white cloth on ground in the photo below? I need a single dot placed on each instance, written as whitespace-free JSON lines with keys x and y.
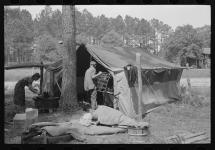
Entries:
{"x":109,"y":116}
{"x":86,"y":119}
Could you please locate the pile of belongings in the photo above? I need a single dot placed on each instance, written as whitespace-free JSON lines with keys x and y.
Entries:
{"x":51,"y":133}
{"x":102,"y":121}
{"x":106,"y":120}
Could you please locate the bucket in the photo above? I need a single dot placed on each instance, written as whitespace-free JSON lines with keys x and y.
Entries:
{"x":139,"y":135}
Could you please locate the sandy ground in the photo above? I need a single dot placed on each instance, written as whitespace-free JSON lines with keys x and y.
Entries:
{"x":165,"y":121}
{"x":195,"y":82}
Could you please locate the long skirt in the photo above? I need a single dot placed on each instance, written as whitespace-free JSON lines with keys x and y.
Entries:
{"x":19,"y":97}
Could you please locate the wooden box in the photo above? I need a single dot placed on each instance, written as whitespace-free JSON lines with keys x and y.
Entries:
{"x":19,"y":123}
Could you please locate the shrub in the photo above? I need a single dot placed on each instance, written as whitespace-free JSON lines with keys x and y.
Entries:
{"x":189,"y":98}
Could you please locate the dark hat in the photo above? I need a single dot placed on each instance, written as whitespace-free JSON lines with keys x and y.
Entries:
{"x":92,"y":63}
{"x":36,"y":75}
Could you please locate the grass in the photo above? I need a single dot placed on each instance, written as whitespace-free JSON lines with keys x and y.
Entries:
{"x":173,"y":118}
{"x":196,"y":73}
{"x":17,"y":74}
{"x":199,"y":96}
{"x":165,"y":121}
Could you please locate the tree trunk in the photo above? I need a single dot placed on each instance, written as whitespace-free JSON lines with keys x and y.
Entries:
{"x":69,"y":92}
{"x":18,"y":56}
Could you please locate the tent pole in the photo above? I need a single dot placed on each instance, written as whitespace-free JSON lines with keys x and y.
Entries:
{"x":189,"y":84}
{"x":138,"y":56}
{"x":51,"y":83}
{"x":41,"y":78}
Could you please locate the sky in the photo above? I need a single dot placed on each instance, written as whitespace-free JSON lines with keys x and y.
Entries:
{"x":173,"y":15}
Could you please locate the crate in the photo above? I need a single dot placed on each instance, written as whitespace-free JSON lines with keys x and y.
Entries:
{"x":103,"y":83}
{"x":21,"y":122}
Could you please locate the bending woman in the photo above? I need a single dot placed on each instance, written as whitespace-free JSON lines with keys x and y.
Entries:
{"x":19,"y":90}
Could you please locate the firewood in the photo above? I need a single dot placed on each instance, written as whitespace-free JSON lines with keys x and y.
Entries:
{"x":196,"y":139}
{"x":185,"y":138}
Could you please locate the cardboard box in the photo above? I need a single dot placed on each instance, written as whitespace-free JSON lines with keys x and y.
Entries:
{"x":19,"y":122}
{"x":31,"y":116}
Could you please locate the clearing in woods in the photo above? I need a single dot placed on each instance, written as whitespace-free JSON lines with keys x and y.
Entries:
{"x":165,"y":121}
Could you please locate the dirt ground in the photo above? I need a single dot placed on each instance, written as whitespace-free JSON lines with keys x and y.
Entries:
{"x":165,"y":121}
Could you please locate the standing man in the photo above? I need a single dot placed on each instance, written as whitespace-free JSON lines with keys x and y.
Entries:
{"x":89,"y":85}
{"x":19,"y":90}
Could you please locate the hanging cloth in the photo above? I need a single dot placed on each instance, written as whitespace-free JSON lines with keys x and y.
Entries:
{"x":131,"y":74}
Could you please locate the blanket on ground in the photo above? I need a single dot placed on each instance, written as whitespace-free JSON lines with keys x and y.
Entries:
{"x":76,"y":129}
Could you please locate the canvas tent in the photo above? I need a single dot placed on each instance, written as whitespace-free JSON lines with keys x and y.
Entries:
{"x":160,"y":78}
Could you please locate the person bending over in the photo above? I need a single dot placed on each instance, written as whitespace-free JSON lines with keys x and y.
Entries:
{"x":19,"y":90}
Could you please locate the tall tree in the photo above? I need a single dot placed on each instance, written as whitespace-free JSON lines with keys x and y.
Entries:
{"x":87,"y":24}
{"x":69,"y":93}
{"x":144,"y":31}
{"x":18,"y":33}
{"x":47,"y":49}
{"x":204,"y":33}
{"x":43,"y":22}
{"x":112,"y":38}
{"x":130,"y":24}
{"x":119,"y":24}
{"x":183,"y":40}
{"x":56,"y":24}
{"x":162,"y":31}
{"x":103,"y":27}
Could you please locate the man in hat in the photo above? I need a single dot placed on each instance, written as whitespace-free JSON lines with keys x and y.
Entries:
{"x":19,"y":90}
{"x":89,"y":85}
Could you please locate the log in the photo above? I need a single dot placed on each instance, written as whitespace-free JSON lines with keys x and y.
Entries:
{"x":196,"y":139}
{"x":186,"y":138}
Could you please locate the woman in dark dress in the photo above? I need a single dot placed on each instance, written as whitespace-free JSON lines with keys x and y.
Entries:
{"x":19,"y":90}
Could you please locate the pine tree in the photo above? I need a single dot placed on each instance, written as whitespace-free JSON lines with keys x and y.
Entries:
{"x":69,"y":93}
